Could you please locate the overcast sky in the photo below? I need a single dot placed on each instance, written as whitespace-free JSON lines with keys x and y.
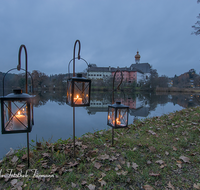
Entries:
{"x":110,"y":32}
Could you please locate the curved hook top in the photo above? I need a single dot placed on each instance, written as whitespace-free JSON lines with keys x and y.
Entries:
{"x":118,"y":84}
{"x":26,"y":63}
{"x":19,"y":57}
{"x":114,"y":79}
{"x":79,"y":43}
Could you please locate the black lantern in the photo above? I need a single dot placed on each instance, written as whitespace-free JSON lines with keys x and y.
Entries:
{"x":118,"y":115}
{"x":78,"y":91}
{"x":16,"y":112}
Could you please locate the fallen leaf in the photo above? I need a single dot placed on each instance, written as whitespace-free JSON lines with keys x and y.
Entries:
{"x":154,"y":174}
{"x":102,"y":182}
{"x":174,"y":148}
{"x":103,"y":174}
{"x":196,"y":186}
{"x":25,"y":155}
{"x":54,"y":168}
{"x":97,"y":165}
{"x":162,"y":166}
{"x":166,"y":153}
{"x":73,"y":164}
{"x":45,"y":154}
{"x":149,"y":162}
{"x":179,"y":165}
{"x":101,"y":132}
{"x":13,"y":182}
{"x":61,"y":170}
{"x":128,"y":164}
{"x":48,"y":144}
{"x":91,"y":187}
{"x":122,"y":173}
{"x":18,"y":185}
{"x":103,"y":157}
{"x":134,"y":165}
{"x":134,"y":148}
{"x":193,"y":154}
{"x":91,"y":153}
{"x":20,"y":165}
{"x":160,"y":162}
{"x":169,"y":185}
{"x":38,"y":146}
{"x":78,"y":143}
{"x":113,"y":158}
{"x":107,"y":169}
{"x":151,"y":132}
{"x":152,"y":149}
{"x":14,"y":159}
{"x":73,"y":185}
{"x":10,"y":152}
{"x":84,"y":146}
{"x":185,"y":159}
{"x":83,"y":182}
{"x":148,"y":187}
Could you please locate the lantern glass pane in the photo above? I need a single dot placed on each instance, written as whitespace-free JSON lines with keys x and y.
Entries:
{"x":111,"y":116}
{"x":15,"y":115}
{"x":122,"y":117}
{"x":81,"y":93}
{"x":69,"y":91}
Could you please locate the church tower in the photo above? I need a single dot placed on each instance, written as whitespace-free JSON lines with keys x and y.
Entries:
{"x":137,"y":58}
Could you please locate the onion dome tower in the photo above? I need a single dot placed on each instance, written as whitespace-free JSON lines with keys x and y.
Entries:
{"x":137,"y":57}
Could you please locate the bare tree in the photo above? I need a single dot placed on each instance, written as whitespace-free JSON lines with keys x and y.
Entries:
{"x":197,"y":24}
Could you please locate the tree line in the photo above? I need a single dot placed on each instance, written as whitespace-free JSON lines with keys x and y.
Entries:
{"x":41,"y":81}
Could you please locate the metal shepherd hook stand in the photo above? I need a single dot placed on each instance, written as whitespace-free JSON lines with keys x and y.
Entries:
{"x":79,"y":45}
{"x":26,"y":76}
{"x":15,"y":118}
{"x":78,"y":89}
{"x":113,"y":96}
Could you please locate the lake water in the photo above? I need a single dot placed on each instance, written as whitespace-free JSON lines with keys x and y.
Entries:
{"x":53,"y":117}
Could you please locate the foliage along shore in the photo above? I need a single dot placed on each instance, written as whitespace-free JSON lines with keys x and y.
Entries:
{"x":175,"y":89}
{"x":155,"y":153}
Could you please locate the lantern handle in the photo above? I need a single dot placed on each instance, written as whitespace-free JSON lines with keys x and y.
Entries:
{"x":118,"y":84}
{"x":17,"y":69}
{"x":26,"y":63}
{"x":71,"y":61}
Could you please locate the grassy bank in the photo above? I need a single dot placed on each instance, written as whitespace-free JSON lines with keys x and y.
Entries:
{"x":156,"y":153}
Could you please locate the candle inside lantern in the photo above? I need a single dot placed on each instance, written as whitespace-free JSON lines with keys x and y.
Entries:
{"x":18,"y":120}
{"x":78,"y":100}
{"x":118,"y":122}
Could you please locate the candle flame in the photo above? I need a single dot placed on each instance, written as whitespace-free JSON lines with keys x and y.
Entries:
{"x":77,"y":96}
{"x":18,"y":112}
